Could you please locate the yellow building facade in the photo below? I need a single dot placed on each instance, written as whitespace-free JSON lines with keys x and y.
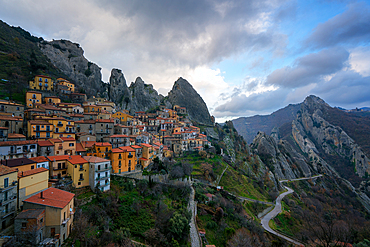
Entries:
{"x":123,"y":159}
{"x":122,"y":116}
{"x":33,"y":98}
{"x":31,"y":182}
{"x":39,"y":129}
{"x":78,"y":169}
{"x":64,"y":82}
{"x":42,"y":82}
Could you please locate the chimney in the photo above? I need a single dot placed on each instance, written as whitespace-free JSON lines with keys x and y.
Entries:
{"x":42,"y":195}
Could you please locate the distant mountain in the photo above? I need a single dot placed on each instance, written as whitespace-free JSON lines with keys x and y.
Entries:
{"x":248,"y":127}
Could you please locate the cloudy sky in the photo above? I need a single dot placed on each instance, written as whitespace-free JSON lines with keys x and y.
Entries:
{"x":244,"y":57}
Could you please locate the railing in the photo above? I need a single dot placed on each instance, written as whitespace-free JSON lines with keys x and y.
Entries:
{"x":103,"y":168}
{"x":130,"y":156}
{"x":64,"y":222}
{"x":81,"y":169}
{"x":6,"y":213}
{"x":81,"y":179}
{"x":101,"y":178}
{"x":60,"y":124}
{"x":60,"y":148}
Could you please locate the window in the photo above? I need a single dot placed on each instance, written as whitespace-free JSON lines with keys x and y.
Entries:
{"x":32,"y":167}
{"x":47,"y":134}
{"x":24,"y":225}
{"x":119,"y":164}
{"x":40,"y":79}
{"x":71,"y":144}
{"x":6,"y":182}
{"x":48,"y":128}
{"x":46,"y":80}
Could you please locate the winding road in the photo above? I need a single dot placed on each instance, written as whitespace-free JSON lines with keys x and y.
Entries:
{"x":277,"y":209}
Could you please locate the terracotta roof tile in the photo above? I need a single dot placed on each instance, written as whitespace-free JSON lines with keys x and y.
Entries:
{"x":39,"y":159}
{"x":46,"y":143}
{"x":93,"y":159}
{"x":80,"y":148}
{"x":67,"y":139}
{"x":31,"y":172}
{"x":13,"y":135}
{"x":6,"y":170}
{"x":76,"y":159}
{"x":58,"y":157}
{"x":51,"y":197}
{"x":127,"y":149}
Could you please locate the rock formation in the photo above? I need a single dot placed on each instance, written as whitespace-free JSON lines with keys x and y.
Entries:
{"x":183,"y":94}
{"x":68,"y":57}
{"x":118,"y":90}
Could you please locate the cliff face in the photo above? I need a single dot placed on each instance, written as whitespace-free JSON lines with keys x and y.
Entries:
{"x":183,"y":94}
{"x":312,"y":132}
{"x":118,"y":90}
{"x":143,"y":97}
{"x":68,"y":57}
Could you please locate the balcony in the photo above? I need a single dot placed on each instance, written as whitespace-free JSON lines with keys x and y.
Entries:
{"x":81,"y":179}
{"x":64,"y":222}
{"x":59,"y":168}
{"x":11,"y":210}
{"x":60,"y":125}
{"x":101,"y":178}
{"x":81,"y":169}
{"x":90,"y":128}
{"x":130,"y":156}
{"x":60,"y":148}
{"x":103,"y":169}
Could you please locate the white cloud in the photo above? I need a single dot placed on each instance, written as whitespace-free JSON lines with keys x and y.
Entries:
{"x":360,"y":60}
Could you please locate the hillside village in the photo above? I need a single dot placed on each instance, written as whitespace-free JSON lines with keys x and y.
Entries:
{"x":62,"y":139}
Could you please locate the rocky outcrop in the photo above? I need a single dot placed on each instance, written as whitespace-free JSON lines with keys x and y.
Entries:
{"x":68,"y":57}
{"x":184,"y":95}
{"x":143,"y":97}
{"x":118,"y":90}
{"x":280,"y":157}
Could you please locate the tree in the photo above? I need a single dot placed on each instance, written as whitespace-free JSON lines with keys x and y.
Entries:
{"x":243,"y":238}
{"x":179,"y":225}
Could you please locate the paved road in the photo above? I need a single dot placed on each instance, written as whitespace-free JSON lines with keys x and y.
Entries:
{"x":266,"y":219}
{"x":194,"y":235}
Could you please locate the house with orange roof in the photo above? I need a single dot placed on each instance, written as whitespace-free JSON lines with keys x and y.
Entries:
{"x":138,"y":153}
{"x":59,"y":211}
{"x":8,"y":195}
{"x":124,"y":117}
{"x":99,"y":173}
{"x":78,"y":169}
{"x":31,"y":182}
{"x":41,"y":161}
{"x":80,"y":150}
{"x":58,"y":166}
{"x":147,"y":155}
{"x":123,"y":159}
{"x":120,"y":129}
{"x":100,"y":149}
{"x":16,"y":137}
{"x":39,"y":129}
{"x":45,"y":148}
{"x":64,"y":145}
